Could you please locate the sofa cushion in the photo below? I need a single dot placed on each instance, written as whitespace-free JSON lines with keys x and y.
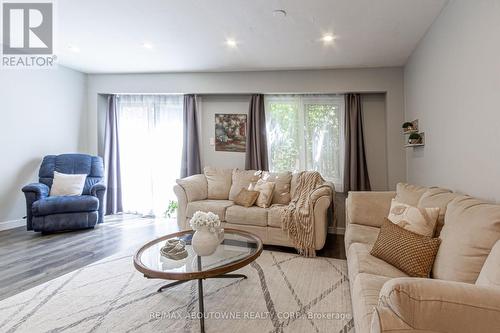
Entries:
{"x":490,"y":273}
{"x":215,"y":206}
{"x":241,"y":179}
{"x":250,"y":216}
{"x":470,"y":230}
{"x":281,"y":194}
{"x":67,"y":184}
{"x":274,"y":216}
{"x":357,"y":233}
{"x":219,"y":183}
{"x":421,"y":221}
{"x":360,"y":260}
{"x":65,"y":204}
{"x":437,"y":197}
{"x":364,"y":291}
{"x":409,"y":194}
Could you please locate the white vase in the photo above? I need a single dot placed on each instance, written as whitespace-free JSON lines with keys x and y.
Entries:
{"x":204,"y":242}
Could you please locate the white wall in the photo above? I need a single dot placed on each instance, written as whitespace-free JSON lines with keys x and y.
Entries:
{"x":368,"y":80}
{"x":41,"y":112}
{"x":452,"y":85}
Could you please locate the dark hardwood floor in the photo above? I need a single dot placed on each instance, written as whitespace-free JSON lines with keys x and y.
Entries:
{"x":28,"y":259}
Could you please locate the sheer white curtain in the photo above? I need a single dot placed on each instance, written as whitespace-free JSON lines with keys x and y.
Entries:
{"x":150,"y":134}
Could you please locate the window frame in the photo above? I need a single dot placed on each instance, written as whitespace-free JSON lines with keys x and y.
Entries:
{"x":301,"y":101}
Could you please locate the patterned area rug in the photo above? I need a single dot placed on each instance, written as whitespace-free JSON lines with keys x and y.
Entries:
{"x":283,"y":293}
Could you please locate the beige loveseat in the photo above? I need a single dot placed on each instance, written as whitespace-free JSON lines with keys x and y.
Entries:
{"x":463,"y":294}
{"x":215,"y":190}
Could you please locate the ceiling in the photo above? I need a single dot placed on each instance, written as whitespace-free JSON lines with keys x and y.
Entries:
{"x":108,"y":36}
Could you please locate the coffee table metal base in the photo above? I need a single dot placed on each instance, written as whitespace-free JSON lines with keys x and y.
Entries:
{"x":200,"y":291}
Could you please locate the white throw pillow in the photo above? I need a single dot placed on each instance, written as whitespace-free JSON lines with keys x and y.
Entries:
{"x":421,"y":221}
{"x":65,"y":184}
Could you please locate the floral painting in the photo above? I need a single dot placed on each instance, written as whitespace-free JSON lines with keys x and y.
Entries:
{"x":230,"y":132}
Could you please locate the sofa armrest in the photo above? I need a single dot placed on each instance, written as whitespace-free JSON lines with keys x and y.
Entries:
{"x":182,"y":202}
{"x":436,"y":306}
{"x":368,"y":208}
{"x":39,"y":189}
{"x":98,"y":190}
{"x":32,"y":193}
{"x":321,"y":200}
{"x":195,"y":187}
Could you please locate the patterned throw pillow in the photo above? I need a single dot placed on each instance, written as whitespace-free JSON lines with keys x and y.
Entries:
{"x":410,"y":252}
{"x":246,"y":198}
{"x":265,"y":192}
{"x":421,"y":221}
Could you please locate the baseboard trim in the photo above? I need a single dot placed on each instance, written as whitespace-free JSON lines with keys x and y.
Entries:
{"x":6,"y":225}
{"x":336,"y":230}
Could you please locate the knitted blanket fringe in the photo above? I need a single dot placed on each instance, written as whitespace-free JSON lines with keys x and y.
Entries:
{"x":297,"y":219}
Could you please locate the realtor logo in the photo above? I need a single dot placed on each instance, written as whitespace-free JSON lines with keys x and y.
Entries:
{"x":27,"y":30}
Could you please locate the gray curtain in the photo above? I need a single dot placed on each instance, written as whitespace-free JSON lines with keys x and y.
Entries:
{"x":355,"y":168}
{"x":190,"y":164}
{"x":256,"y":145}
{"x":112,"y":160}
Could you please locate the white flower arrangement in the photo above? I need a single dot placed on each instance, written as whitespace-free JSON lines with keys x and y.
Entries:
{"x":209,"y":220}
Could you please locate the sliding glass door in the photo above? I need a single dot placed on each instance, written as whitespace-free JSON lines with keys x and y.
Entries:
{"x":150,"y":140}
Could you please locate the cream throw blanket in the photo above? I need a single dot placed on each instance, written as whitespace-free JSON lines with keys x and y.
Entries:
{"x":298,"y":217}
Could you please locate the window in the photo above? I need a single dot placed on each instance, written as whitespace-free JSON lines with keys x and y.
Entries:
{"x":306,"y":132}
{"x":150,"y":136}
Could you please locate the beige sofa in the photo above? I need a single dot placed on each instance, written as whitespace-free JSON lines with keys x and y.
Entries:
{"x":463,"y":294}
{"x":216,"y":188}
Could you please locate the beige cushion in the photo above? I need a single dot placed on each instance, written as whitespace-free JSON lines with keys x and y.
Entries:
{"x":219,"y":182}
{"x":266,"y":192}
{"x":274,"y":216}
{"x":195,"y":187}
{"x":67,"y":184}
{"x":364,"y":291}
{"x":470,"y":230}
{"x":410,"y":252}
{"x":368,"y":208}
{"x":357,"y":233}
{"x":490,"y":273}
{"x":421,"y":221}
{"x":246,"y":198}
{"x":437,"y":197}
{"x":215,"y":206}
{"x":360,"y":260}
{"x":281,"y":194}
{"x":409,"y":194}
{"x":242,"y":179}
{"x":249,"y":216}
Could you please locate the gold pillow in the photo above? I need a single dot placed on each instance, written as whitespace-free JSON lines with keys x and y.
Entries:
{"x":265,"y":192}
{"x":421,"y":221}
{"x":410,"y":252}
{"x":281,"y":194}
{"x":246,"y":197}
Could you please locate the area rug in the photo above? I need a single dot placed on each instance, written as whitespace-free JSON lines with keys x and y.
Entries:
{"x":283,"y":293}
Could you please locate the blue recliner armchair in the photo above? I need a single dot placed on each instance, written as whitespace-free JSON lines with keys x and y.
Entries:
{"x":60,"y":213}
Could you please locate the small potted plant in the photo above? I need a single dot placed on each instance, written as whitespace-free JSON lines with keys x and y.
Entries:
{"x":408,"y":127}
{"x":206,"y":236}
{"x":171,"y":209}
{"x":414,"y":139}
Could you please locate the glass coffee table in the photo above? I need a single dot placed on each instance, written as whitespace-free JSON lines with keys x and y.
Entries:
{"x":238,"y":249}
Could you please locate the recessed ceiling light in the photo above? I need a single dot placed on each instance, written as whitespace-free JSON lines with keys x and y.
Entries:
{"x":147,"y":45}
{"x":279,"y":13}
{"x":328,"y":38}
{"x":74,"y":48}
{"x":231,"y":42}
